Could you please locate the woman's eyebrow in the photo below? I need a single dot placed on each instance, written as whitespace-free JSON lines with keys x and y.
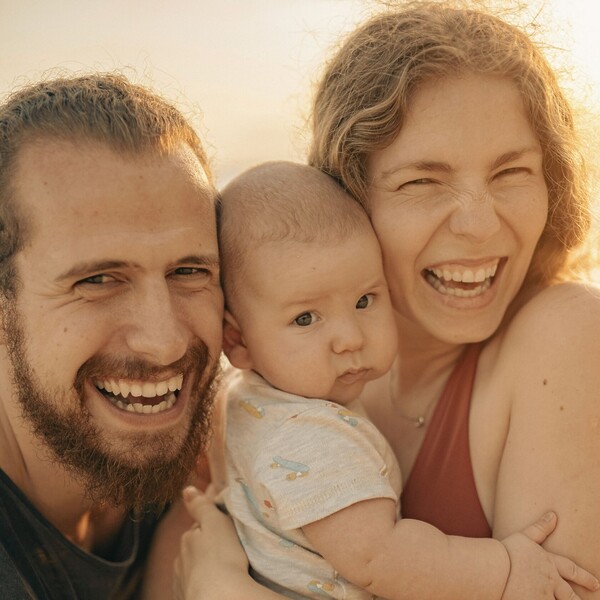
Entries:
{"x":420,"y":165}
{"x":514,"y":155}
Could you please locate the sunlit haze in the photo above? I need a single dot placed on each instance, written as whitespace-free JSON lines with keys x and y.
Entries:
{"x":242,"y":69}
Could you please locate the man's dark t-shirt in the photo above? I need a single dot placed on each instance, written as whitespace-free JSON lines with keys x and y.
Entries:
{"x":37,"y":561}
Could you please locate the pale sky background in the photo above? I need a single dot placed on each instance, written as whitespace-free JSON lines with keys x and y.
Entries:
{"x":241,"y":69}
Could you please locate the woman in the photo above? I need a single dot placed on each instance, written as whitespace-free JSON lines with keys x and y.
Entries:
{"x":450,"y":128}
{"x":448,"y":125}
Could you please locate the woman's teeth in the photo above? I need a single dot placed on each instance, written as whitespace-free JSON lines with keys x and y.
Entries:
{"x":445,"y":280}
{"x":466,"y":275}
{"x":155,"y":396}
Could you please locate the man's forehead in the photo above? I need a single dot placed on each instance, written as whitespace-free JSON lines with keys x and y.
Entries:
{"x":68,"y":150}
{"x":65,"y":167}
{"x":93,"y":196}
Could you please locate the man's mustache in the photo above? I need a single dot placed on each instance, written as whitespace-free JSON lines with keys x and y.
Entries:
{"x":115,"y":367}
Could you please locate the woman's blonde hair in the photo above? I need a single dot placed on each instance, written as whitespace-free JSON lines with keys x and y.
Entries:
{"x":365,"y":92}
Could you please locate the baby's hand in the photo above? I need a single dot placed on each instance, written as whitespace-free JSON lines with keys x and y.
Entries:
{"x":211,"y":558}
{"x":536,"y":573}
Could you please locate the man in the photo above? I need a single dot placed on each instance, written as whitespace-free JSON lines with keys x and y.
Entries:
{"x":111,"y":330}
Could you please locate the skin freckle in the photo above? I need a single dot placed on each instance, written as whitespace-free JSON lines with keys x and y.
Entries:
{"x":545,"y":382}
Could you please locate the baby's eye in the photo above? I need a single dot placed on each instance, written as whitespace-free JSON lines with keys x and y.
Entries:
{"x":364,"y":301}
{"x":305,"y":319}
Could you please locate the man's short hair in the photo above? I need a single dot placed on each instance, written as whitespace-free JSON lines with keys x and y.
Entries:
{"x":103,"y":108}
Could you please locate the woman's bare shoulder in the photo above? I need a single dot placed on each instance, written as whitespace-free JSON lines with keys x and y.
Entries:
{"x":548,"y":370}
{"x":557,"y":318}
{"x":550,"y":350}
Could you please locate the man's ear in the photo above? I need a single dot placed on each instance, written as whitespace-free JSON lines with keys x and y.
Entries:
{"x":233,"y":343}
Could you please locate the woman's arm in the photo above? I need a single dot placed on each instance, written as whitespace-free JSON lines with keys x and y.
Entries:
{"x":550,"y":366}
{"x":408,"y":559}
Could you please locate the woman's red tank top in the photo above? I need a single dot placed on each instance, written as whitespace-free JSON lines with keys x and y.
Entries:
{"x":441,"y":488}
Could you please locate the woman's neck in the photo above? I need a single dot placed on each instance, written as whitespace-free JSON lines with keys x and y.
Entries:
{"x":423,"y":364}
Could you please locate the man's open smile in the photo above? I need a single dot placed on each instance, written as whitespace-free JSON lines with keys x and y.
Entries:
{"x":144,"y":397}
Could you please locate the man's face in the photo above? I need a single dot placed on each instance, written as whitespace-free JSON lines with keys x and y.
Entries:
{"x":115,"y":334}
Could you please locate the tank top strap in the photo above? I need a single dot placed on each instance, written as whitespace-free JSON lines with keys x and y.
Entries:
{"x":441,"y":487}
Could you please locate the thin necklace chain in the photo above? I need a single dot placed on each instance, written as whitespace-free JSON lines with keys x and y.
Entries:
{"x":419,"y":421}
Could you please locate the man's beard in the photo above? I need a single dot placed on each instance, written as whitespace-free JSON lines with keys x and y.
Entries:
{"x":152,"y":471}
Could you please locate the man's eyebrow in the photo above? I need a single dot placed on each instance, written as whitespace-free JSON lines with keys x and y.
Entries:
{"x":85,"y":269}
{"x":207,"y":260}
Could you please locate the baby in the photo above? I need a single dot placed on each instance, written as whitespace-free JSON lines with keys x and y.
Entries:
{"x":312,"y":486}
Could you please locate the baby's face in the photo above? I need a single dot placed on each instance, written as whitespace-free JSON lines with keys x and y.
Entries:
{"x":317,"y":319}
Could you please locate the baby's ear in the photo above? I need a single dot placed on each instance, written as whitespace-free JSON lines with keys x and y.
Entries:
{"x":233,"y":343}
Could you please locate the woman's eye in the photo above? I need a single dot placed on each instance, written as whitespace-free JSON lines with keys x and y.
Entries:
{"x":364,"y":301}
{"x":305,"y":319}
{"x":512,"y":171}
{"x":416,"y":182}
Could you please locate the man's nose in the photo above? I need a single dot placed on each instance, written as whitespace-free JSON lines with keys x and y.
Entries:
{"x":475,"y":216}
{"x":156,"y":330}
{"x":347,"y":336}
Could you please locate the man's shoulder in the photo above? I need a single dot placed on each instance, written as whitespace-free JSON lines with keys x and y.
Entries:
{"x":13,"y":586}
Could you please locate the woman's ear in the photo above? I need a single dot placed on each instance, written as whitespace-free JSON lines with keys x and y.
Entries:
{"x":234,"y":345}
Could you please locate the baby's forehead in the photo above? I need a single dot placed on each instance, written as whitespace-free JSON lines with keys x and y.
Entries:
{"x":309,"y":263}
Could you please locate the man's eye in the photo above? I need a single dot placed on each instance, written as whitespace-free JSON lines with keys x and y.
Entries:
{"x":191,"y":272}
{"x":96,"y":279}
{"x":305,"y":319}
{"x":364,"y":301}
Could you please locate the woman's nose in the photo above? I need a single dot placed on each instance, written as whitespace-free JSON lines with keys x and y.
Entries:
{"x":475,"y":217}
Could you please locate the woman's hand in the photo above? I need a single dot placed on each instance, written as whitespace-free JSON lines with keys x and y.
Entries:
{"x":536,"y":573}
{"x":212,"y":564}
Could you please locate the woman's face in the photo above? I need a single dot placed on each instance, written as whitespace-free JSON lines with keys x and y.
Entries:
{"x":458,"y":202}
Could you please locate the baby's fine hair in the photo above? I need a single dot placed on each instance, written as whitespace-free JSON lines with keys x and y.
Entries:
{"x":365,"y":92}
{"x":277,"y":202}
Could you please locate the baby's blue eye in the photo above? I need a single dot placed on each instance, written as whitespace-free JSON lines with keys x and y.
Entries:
{"x":305,"y":319}
{"x":364,"y":301}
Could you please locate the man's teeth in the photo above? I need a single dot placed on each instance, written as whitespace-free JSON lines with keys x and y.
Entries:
{"x":121,"y":390}
{"x":146,"y":408}
{"x":466,"y":275}
{"x":146,"y":389}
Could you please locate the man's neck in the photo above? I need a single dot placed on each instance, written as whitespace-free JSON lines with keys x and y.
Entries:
{"x":59,"y":497}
